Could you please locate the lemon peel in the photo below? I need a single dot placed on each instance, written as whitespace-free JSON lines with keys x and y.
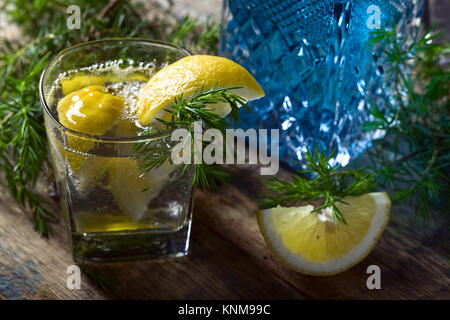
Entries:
{"x":188,"y":75}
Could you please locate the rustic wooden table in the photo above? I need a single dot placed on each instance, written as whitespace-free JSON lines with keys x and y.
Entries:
{"x":228,"y":258}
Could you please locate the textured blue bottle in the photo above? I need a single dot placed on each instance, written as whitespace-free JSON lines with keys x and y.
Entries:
{"x":312,"y":60}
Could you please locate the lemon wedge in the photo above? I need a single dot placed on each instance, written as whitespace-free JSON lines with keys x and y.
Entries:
{"x":312,"y":243}
{"x":188,"y":74}
{"x":89,"y":110}
{"x":81,"y":81}
{"x":92,"y":172}
{"x":132,"y":189}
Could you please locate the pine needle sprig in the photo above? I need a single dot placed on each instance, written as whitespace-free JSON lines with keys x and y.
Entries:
{"x":196,"y":107}
{"x":329,"y":186}
{"x":151,"y":153}
{"x":190,"y":33}
{"x":412,"y":157}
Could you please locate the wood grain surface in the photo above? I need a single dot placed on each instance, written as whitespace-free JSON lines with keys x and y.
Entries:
{"x":228,"y":258}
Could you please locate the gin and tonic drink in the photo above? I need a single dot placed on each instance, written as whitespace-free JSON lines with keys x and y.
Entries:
{"x":114,"y":207}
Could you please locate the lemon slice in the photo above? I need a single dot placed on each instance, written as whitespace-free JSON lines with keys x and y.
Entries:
{"x":188,"y":74}
{"x":133,"y":190}
{"x":81,"y":81}
{"x":92,"y":172}
{"x":89,"y":110}
{"x":312,"y":243}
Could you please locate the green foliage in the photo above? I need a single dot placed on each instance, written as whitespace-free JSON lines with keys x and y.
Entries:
{"x":43,"y":24}
{"x":329,"y":186}
{"x":413,"y":157}
{"x":184,"y":112}
{"x":189,"y":34}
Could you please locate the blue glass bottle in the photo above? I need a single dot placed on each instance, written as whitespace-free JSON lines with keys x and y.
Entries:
{"x":312,"y":60}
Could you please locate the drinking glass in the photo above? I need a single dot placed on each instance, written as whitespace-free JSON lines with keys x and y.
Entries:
{"x":114,"y":209}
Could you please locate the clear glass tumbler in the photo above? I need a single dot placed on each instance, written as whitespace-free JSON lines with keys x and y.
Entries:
{"x":114,"y":209}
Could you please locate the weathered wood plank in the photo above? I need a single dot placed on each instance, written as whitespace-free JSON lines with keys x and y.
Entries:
{"x":30,"y":266}
{"x":413,"y":257}
{"x":214,"y":269}
{"x":35,"y":268}
{"x":228,"y":258}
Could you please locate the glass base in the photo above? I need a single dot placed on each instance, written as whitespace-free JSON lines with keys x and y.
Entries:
{"x":101,"y":247}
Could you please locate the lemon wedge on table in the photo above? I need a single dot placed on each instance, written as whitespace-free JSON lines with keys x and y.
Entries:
{"x":311,"y":242}
{"x":90,"y":110}
{"x":189,"y":74}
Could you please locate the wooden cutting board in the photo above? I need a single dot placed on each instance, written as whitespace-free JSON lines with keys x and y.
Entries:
{"x":228,"y":258}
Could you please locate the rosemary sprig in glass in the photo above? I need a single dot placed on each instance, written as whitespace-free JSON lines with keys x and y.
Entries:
{"x":198,"y":106}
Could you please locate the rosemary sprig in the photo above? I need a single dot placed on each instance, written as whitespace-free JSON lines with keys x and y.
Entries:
{"x":413,"y":157}
{"x":329,"y":186}
{"x":198,"y":106}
